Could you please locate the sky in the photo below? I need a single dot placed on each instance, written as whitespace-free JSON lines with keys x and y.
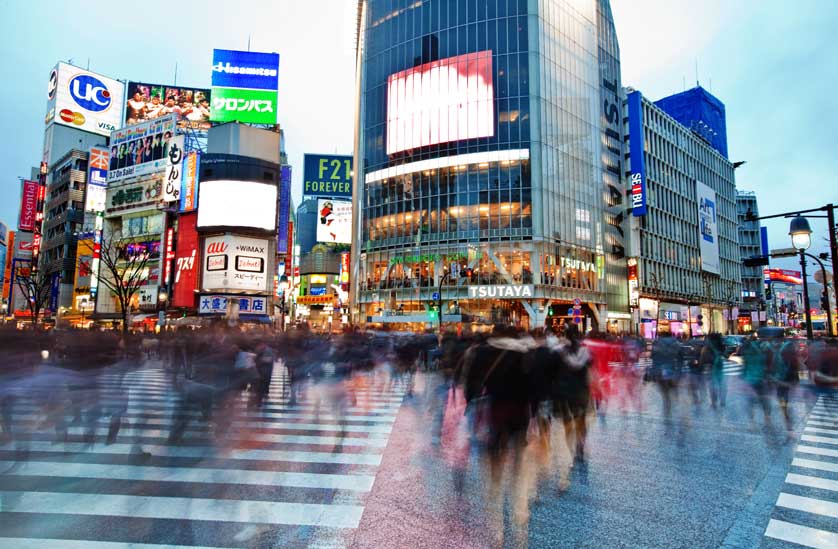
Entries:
{"x":772,"y":63}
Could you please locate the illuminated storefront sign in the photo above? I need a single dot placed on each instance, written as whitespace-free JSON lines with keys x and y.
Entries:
{"x":578,"y":264}
{"x":327,"y":175}
{"x":501,"y":291}
{"x":316,"y":299}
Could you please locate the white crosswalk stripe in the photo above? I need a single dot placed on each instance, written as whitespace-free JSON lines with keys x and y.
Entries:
{"x":806,"y":511}
{"x":276,"y":467}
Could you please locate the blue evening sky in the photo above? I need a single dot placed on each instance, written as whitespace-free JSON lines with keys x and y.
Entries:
{"x":772,"y":64}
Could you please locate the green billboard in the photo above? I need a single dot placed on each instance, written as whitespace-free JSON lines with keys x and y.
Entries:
{"x":242,"y":105}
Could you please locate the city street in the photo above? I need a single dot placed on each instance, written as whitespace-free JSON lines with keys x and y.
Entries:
{"x":388,"y":471}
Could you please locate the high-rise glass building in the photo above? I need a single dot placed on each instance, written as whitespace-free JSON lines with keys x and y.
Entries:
{"x":488,"y":169}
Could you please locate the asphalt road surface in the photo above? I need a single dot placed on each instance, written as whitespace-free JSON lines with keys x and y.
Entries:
{"x":387,"y":469}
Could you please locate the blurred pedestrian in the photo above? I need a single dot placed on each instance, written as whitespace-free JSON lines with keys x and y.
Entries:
{"x":712,"y":357}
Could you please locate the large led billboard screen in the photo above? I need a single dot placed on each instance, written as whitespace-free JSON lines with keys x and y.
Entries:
{"x":244,"y":86}
{"x":150,"y":101}
{"x":334,"y":221}
{"x":227,"y":203}
{"x":441,"y":101}
{"x":233,"y":262}
{"x":782,"y":275}
{"x":84,"y":100}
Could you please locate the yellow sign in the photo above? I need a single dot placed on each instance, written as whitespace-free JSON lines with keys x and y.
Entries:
{"x":315,"y":299}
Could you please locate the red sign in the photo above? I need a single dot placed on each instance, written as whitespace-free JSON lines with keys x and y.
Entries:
{"x":99,"y":158}
{"x":28,"y":206}
{"x":187,"y":261}
{"x":782,"y":275}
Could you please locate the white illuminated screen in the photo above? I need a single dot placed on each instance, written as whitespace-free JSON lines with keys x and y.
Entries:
{"x":226,"y":203}
{"x":439,"y":102}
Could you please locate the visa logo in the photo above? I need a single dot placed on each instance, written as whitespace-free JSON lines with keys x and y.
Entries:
{"x":106,"y":126}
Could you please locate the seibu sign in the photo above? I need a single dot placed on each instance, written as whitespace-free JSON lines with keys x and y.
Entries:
{"x":501,"y":291}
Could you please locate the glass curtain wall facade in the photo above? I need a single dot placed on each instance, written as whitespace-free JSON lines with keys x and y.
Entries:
{"x":479,"y":162}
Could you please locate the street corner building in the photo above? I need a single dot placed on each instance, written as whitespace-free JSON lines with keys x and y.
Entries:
{"x":489,"y":166}
{"x":684,"y":256}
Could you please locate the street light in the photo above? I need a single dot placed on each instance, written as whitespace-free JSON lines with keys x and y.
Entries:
{"x":801,"y":239}
{"x":801,"y":233}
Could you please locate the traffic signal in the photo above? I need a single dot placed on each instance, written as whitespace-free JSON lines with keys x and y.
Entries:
{"x":549,"y":311}
{"x":432,"y":314}
{"x":824,"y":302}
{"x":468,"y":272}
{"x":755,"y":261}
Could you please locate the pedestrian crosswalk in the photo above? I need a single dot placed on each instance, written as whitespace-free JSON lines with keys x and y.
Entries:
{"x":806,"y":512}
{"x":730,"y":367}
{"x":279,"y":475}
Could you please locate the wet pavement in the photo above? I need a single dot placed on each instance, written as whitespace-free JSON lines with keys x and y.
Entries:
{"x":388,"y":470}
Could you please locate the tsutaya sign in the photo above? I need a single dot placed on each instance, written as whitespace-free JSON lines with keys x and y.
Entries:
{"x":501,"y":291}
{"x":578,"y":264}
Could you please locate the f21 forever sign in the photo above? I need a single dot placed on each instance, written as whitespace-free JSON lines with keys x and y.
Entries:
{"x":235,"y":263}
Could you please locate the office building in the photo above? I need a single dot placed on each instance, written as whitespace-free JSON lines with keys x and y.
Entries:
{"x":684,"y":265}
{"x":752,"y":243}
{"x":488,"y":167}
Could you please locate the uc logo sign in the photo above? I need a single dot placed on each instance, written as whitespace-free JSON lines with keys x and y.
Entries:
{"x":90,"y":93}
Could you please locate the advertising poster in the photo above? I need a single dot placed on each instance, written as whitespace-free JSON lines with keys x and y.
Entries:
{"x":189,"y":184}
{"x":244,"y":86}
{"x":284,"y":210}
{"x":187,"y":262}
{"x":173,"y":179}
{"x":327,"y":175}
{"x":141,"y":149}
{"x":441,"y":101}
{"x":97,"y":179}
{"x":28,"y":205}
{"x":84,"y":100}
{"x":708,"y":228}
{"x":149,"y":101}
{"x":334,"y":221}
{"x":235,"y":263}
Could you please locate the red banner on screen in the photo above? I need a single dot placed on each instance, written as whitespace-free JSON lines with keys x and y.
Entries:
{"x":187,"y":262}
{"x":28,"y":206}
{"x":782,"y":275}
{"x":441,"y":101}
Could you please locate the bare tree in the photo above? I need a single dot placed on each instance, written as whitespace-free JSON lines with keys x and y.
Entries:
{"x":123,"y":270}
{"x":35,"y":285}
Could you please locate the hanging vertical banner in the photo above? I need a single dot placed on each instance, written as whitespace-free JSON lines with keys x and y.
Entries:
{"x":190,"y":181}
{"x":28,"y":205}
{"x":284,"y":210}
{"x":636,"y":148}
{"x":708,"y":228}
{"x":174,"y":170}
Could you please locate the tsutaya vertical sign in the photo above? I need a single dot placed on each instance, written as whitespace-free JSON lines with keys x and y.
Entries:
{"x":636,"y":148}
{"x":174,"y":170}
{"x":708,"y":228}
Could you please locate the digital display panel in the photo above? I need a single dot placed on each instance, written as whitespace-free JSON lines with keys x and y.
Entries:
{"x":442,"y":101}
{"x":227,"y":203}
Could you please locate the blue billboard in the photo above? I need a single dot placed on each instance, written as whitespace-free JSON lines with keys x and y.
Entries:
{"x":245,"y":69}
{"x":327,"y":175}
{"x":638,"y":162}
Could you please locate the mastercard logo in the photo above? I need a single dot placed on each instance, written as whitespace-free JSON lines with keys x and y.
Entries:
{"x":71,"y":117}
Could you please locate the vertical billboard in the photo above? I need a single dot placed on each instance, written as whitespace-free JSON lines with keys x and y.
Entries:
{"x":244,"y":87}
{"x":636,"y":148}
{"x":84,"y":100}
{"x":334,"y":221}
{"x":187,"y":262}
{"x":189,"y":183}
{"x":235,"y":263}
{"x":441,"y":101}
{"x":327,"y":175}
{"x":28,"y":206}
{"x":173,"y":178}
{"x":97,"y":179}
{"x":149,"y":101}
{"x":284,"y":210}
{"x":141,"y":149}
{"x":708,"y":228}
